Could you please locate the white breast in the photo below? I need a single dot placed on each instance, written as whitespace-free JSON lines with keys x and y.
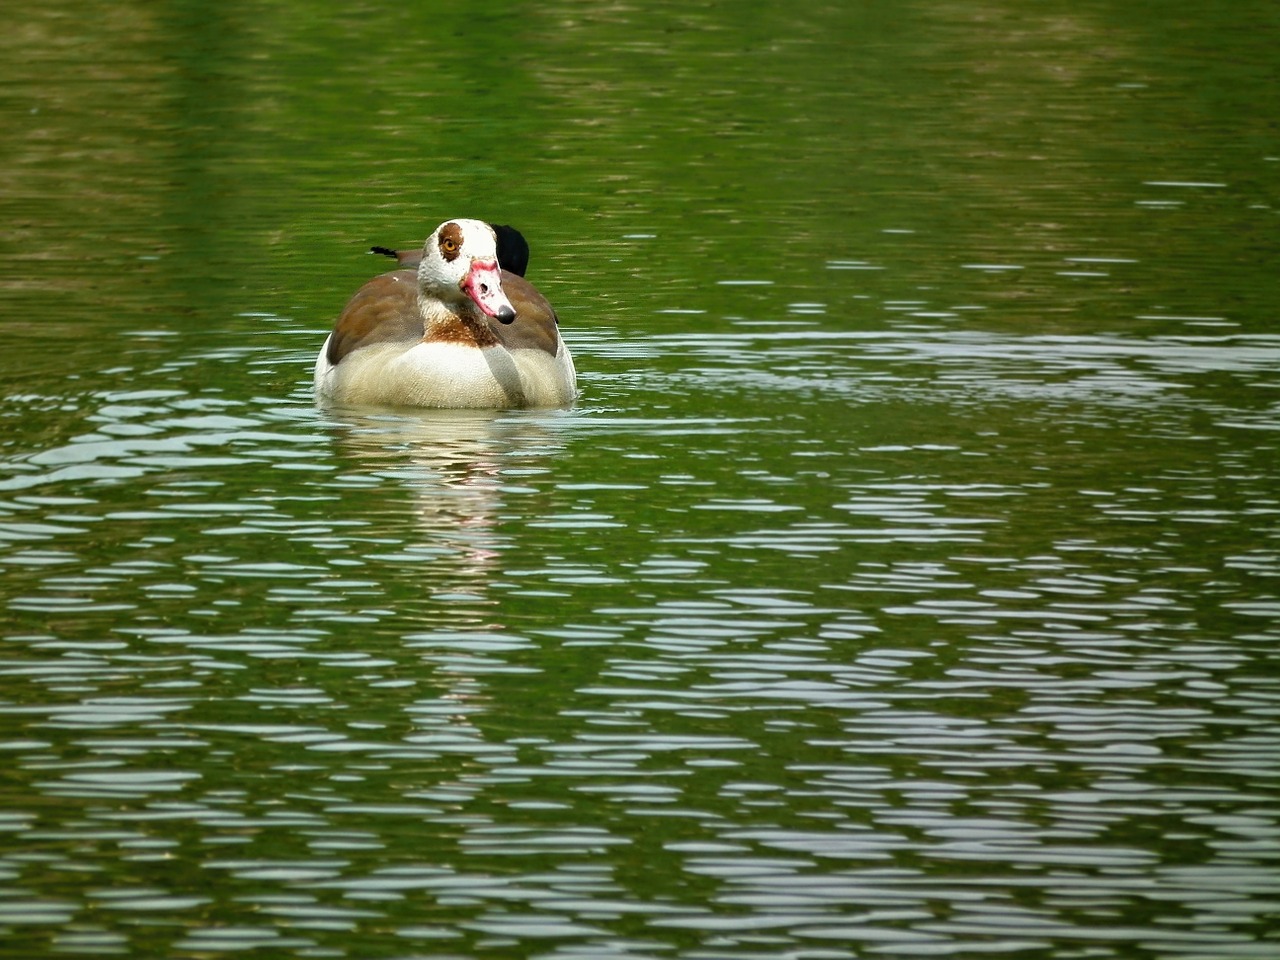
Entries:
{"x":448,"y":375}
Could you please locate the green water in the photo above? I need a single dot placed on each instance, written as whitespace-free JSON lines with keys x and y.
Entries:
{"x":905,"y":581}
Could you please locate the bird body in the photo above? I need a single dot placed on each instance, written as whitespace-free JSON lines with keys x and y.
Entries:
{"x":453,"y":330}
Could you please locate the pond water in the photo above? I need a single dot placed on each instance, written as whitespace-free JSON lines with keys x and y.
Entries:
{"x":905,"y":581}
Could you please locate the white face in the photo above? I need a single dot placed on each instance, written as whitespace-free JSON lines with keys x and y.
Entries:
{"x":460,"y":267}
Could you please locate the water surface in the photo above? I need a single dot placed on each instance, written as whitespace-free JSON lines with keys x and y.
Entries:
{"x":904,"y":582}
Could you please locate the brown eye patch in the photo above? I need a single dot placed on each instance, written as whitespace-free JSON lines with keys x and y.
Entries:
{"x":450,"y":241}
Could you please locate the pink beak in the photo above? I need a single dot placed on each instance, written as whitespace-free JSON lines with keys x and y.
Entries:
{"x":483,"y":284}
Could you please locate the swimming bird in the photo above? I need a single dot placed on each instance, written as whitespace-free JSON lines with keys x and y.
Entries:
{"x":456,"y":326}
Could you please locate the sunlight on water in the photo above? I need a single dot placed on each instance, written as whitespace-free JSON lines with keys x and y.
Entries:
{"x":937,"y":687}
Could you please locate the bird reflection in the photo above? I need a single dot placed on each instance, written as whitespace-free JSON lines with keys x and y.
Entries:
{"x":456,"y":466}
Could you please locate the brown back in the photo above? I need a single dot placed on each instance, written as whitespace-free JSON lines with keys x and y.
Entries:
{"x":385,"y":310}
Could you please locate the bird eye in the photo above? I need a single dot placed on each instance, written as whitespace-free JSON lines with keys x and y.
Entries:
{"x":448,"y":245}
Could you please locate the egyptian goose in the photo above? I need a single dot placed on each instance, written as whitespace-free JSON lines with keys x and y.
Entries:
{"x":456,"y":326}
